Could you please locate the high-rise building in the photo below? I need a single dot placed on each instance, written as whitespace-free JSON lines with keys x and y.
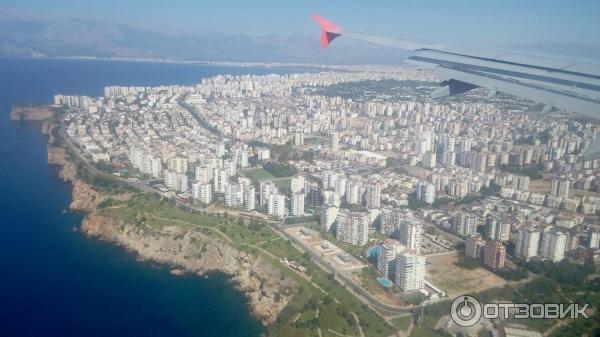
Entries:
{"x":335,"y":141}
{"x":426,"y":192}
{"x":328,"y":216}
{"x":386,"y":259}
{"x":249,"y":198}
{"x":594,"y":239}
{"x":373,"y":196}
{"x":202,"y":192}
{"x":429,"y":160}
{"x":297,"y":184}
{"x":241,"y":157}
{"x":202,"y":174}
{"x":297,"y":204}
{"x":340,"y":186}
{"x":234,"y":195}
{"x":298,"y":138}
{"x":353,"y":192}
{"x":176,"y":181}
{"x":266,"y":188}
{"x":520,"y":183}
{"x":494,"y":255}
{"x":147,"y":164}
{"x":410,"y":271}
{"x":332,"y":198}
{"x":276,"y":205}
{"x":388,"y":219}
{"x":560,"y":188}
{"x":474,"y":247}
{"x":177,"y":164}
{"x":449,"y":158}
{"x":553,"y":245}
{"x":496,"y":229}
{"x":220,"y":180}
{"x":463,"y":224}
{"x":410,"y":233}
{"x":526,"y":245}
{"x":352,"y":227}
{"x":264,"y":154}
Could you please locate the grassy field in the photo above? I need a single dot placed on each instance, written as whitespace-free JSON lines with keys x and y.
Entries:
{"x":257,"y":174}
{"x":323,"y":304}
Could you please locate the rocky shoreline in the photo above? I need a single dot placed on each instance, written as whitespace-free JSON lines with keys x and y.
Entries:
{"x":32,"y":112}
{"x":267,"y":294}
{"x":266,"y":289}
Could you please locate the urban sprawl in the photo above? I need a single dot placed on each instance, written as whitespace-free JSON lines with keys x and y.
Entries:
{"x":389,"y":173}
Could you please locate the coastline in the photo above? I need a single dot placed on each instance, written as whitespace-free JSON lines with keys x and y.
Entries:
{"x":184,"y":250}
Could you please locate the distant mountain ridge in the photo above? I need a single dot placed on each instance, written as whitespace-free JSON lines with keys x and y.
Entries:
{"x":22,"y":36}
{"x":31,"y":37}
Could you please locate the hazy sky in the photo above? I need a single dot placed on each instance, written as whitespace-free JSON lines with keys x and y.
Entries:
{"x":487,"y":22}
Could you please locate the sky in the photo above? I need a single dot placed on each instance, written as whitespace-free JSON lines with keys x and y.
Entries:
{"x":483,"y":22}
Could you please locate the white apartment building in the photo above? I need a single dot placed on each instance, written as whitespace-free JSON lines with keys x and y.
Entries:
{"x":203,"y":174}
{"x":234,"y":195}
{"x":410,"y":271}
{"x":176,"y":181}
{"x":220,"y":180}
{"x":177,"y":164}
{"x":594,"y":239}
{"x":553,"y":245}
{"x":276,"y":205}
{"x":410,"y":234}
{"x":328,"y":215}
{"x":249,"y":198}
{"x":266,"y":188}
{"x":463,"y":224}
{"x":373,"y":196}
{"x":202,"y":192}
{"x":147,"y":164}
{"x":297,"y":184}
{"x":426,"y":192}
{"x":386,"y":259}
{"x":353,"y":192}
{"x":527,"y":242}
{"x":264,"y":154}
{"x":297,"y":204}
{"x":352,"y":227}
{"x":332,"y":198}
{"x":497,"y":229}
{"x":560,"y":187}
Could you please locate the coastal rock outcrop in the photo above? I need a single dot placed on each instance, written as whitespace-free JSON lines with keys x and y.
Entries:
{"x":191,"y":250}
{"x":187,"y":250}
{"x":85,"y":198}
{"x":31,"y":113}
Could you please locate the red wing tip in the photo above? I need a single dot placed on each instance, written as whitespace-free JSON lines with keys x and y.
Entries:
{"x":325,"y":24}
{"x":329,"y":30}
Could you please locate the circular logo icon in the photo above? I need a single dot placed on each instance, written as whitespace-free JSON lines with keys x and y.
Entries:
{"x":465,"y":310}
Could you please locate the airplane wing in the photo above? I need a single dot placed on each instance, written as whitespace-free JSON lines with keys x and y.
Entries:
{"x":554,"y":82}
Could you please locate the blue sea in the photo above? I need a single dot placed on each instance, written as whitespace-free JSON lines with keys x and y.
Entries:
{"x":53,"y":280}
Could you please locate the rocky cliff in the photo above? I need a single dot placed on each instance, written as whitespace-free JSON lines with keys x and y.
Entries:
{"x":31,"y":113}
{"x":85,"y":197}
{"x":267,"y":291}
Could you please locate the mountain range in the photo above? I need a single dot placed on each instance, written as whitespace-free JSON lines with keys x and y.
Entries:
{"x":35,"y":37}
{"x":22,"y":36}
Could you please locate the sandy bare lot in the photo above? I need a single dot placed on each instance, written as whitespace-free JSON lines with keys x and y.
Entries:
{"x":445,"y":274}
{"x":539,"y":186}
